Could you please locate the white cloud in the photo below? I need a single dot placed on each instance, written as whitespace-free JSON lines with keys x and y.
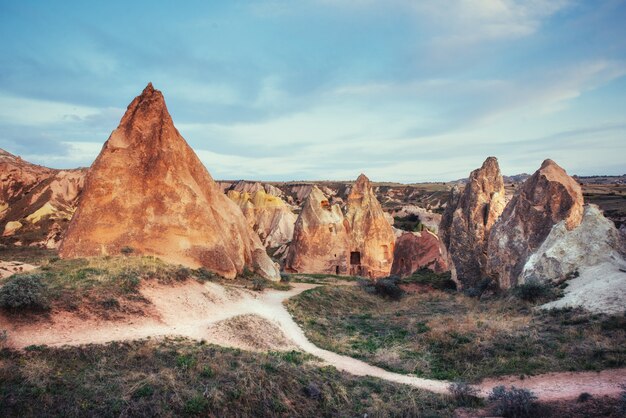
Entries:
{"x":24,"y":111}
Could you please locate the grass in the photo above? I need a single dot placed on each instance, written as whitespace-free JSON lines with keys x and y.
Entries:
{"x":444,"y":335}
{"x":105,"y":284}
{"x":314,"y":278}
{"x":185,"y":378}
{"x":29,"y":255}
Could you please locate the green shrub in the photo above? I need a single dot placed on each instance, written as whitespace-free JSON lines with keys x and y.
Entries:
{"x":258,"y":284}
{"x":427,"y":277}
{"x":196,"y":405}
{"x":533,"y":291}
{"x":386,"y":288}
{"x":514,"y":402}
{"x":27,"y":292}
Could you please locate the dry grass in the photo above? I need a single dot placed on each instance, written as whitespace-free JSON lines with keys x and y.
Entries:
{"x":450,"y":336}
{"x":180,"y":377}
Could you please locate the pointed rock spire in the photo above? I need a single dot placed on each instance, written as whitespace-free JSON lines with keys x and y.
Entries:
{"x":148,"y":190}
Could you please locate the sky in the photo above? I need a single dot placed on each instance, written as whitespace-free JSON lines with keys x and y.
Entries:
{"x":401,"y":90}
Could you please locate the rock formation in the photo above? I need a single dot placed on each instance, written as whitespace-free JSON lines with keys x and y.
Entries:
{"x":149,"y":191}
{"x":371,"y":236}
{"x":320,"y":242}
{"x":36,"y":203}
{"x":548,"y":197}
{"x":416,"y":250}
{"x":589,"y":257}
{"x":468,"y":219}
{"x":268,"y":215}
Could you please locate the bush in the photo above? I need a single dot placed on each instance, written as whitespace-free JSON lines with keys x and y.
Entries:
{"x":622,"y":400}
{"x":425,"y":276}
{"x":388,"y":288}
{"x":258,"y":284}
{"x":513,"y":403}
{"x":24,"y":292}
{"x":204,"y":274}
{"x":464,"y":394}
{"x":584,"y":397}
{"x":533,"y":291}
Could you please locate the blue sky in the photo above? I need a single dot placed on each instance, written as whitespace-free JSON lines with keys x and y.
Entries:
{"x":402,"y":90}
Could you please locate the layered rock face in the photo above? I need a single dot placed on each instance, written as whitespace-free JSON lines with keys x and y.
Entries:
{"x":268,"y":215}
{"x":36,"y":203}
{"x":416,"y":250}
{"x":372,"y":239}
{"x":320,"y":241}
{"x":468,"y":219}
{"x":548,"y":197}
{"x":148,"y":190}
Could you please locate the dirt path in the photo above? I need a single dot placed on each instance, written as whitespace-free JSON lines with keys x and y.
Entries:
{"x":197,"y":311}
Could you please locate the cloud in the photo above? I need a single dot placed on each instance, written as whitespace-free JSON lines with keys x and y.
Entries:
{"x":25,"y":111}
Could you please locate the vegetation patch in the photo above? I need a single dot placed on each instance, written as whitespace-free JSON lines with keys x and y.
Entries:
{"x":448,"y":335}
{"x":99,"y":284}
{"x":185,"y":378}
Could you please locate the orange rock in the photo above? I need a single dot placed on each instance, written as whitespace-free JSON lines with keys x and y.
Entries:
{"x":548,"y":197}
{"x":43,"y":199}
{"x":417,"y":250}
{"x":320,"y":242}
{"x":148,"y":190}
{"x":371,"y":236}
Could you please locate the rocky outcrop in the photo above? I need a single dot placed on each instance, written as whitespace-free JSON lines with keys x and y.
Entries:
{"x":427,"y":218}
{"x":372,"y":239}
{"x":416,"y":250}
{"x":251,"y":187}
{"x":468,"y":219}
{"x":320,"y":242}
{"x":149,"y":191}
{"x":548,"y":197}
{"x":268,"y":215}
{"x":36,"y":203}
{"x":565,"y":252}
{"x":589,"y":257}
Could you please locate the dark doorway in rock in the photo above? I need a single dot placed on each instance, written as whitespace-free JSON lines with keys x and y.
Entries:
{"x":337,"y":270}
{"x":355,"y":258}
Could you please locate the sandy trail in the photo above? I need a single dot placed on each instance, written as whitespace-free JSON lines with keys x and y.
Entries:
{"x":196,"y":311}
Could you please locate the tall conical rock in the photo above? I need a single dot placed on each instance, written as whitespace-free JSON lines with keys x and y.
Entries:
{"x":148,"y":190}
{"x":468,"y":219}
{"x":548,"y":197}
{"x":320,"y":240}
{"x":371,"y":236}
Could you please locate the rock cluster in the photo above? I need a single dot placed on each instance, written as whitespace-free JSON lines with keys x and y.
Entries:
{"x":149,"y":191}
{"x":36,"y":203}
{"x":548,"y":197}
{"x":360,"y":243}
{"x":268,"y":215}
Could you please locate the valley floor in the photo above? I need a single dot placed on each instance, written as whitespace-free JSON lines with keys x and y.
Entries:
{"x":236,"y":317}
